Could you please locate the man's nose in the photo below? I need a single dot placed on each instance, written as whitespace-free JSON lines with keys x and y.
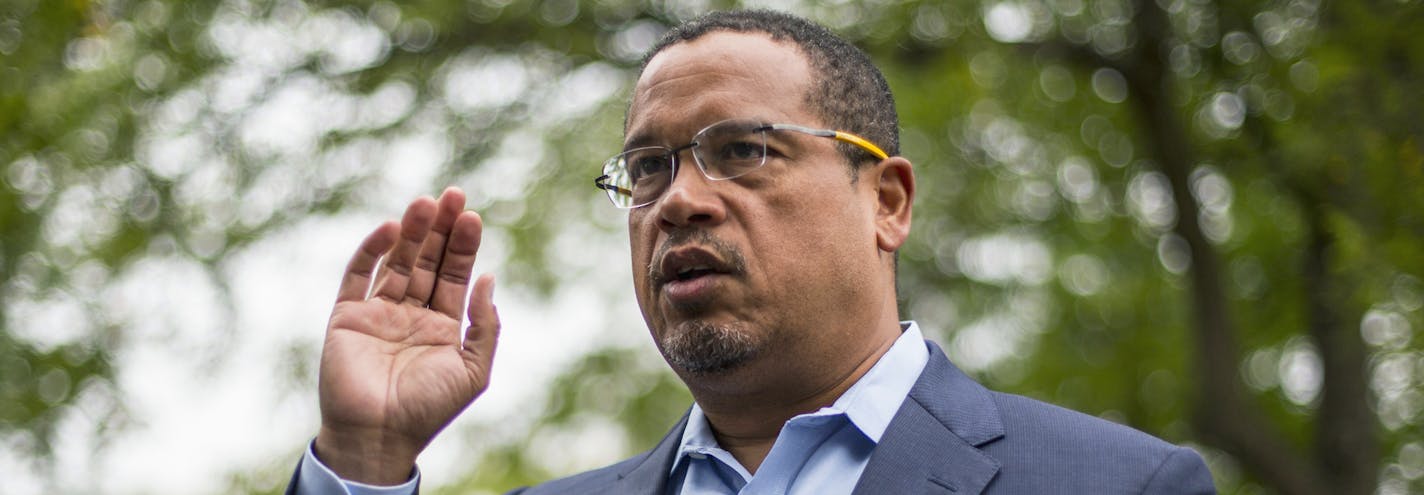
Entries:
{"x":691,"y":198}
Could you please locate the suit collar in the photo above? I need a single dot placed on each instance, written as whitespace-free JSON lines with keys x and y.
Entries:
{"x":933,"y":442}
{"x":957,"y":401}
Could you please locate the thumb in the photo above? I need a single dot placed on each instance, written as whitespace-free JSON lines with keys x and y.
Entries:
{"x":483,"y":332}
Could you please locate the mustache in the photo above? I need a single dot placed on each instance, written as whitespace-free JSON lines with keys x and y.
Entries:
{"x":729,"y":256}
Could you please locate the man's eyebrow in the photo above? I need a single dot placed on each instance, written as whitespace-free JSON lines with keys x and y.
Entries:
{"x":639,"y":141}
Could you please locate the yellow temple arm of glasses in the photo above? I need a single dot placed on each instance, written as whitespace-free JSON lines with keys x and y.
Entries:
{"x":847,"y":137}
{"x":841,"y":136}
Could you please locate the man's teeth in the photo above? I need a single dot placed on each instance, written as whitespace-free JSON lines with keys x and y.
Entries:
{"x":684,"y":272}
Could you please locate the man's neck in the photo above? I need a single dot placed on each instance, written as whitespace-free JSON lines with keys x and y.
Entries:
{"x":747,"y":424}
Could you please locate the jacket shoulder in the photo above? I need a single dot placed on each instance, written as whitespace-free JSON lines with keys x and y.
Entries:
{"x":1032,"y":420}
{"x":1053,"y":445}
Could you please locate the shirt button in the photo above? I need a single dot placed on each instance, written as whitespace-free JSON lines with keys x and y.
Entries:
{"x":697,"y":455}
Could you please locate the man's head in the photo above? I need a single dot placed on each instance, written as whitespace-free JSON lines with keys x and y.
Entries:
{"x":786,"y":271}
{"x":848,"y":91}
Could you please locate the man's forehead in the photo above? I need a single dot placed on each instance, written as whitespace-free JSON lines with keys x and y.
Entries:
{"x":721,"y":47}
{"x":722,"y":69}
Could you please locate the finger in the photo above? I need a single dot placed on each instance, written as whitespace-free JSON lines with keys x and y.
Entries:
{"x":483,"y":332}
{"x":394,"y":274}
{"x":459,"y":259}
{"x":432,"y":250}
{"x":357,"y":279}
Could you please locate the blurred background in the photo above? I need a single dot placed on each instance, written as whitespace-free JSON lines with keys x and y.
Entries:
{"x":1203,"y":219}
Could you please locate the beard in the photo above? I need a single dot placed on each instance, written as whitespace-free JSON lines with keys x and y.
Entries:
{"x":700,"y":347}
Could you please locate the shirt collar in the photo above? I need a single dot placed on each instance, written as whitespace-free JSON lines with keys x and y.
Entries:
{"x":872,"y":402}
{"x":869,"y":404}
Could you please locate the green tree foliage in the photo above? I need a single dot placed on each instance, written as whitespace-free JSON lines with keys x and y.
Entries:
{"x":74,"y":209}
{"x":1198,"y":218}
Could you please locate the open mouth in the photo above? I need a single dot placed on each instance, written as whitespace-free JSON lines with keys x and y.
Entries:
{"x":692,"y":272}
{"x":689,"y":264}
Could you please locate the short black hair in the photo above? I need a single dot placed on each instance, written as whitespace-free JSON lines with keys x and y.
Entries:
{"x":849,"y":91}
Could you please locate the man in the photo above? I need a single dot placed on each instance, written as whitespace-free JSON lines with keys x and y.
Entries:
{"x":764,"y":216}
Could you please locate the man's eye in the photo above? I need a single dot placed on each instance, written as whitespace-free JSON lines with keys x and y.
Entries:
{"x":743,"y":150}
{"x":648,"y":166}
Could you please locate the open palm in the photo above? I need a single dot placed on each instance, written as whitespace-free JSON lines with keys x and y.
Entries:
{"x":395,"y":367}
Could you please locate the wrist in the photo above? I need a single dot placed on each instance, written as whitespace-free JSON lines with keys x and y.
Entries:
{"x":372,"y":457}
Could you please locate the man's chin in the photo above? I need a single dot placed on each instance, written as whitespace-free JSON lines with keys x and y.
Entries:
{"x":699,"y":347}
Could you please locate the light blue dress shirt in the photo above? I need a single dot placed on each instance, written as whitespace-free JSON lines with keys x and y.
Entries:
{"x":821,"y":452}
{"x":317,"y":479}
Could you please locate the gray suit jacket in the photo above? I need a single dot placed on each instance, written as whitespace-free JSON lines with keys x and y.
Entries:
{"x":953,"y":436}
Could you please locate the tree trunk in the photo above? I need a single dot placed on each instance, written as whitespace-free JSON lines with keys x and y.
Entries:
{"x":1346,"y":440}
{"x":1223,"y":415}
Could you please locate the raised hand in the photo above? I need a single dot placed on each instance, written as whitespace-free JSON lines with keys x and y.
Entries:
{"x":395,"y":367}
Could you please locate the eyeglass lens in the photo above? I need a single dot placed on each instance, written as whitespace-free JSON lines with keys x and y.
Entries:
{"x":725,"y":150}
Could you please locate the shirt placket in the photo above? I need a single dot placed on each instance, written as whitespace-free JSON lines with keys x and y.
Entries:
{"x":799,"y":439}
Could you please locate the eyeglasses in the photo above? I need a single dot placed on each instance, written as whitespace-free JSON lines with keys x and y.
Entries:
{"x":725,"y":150}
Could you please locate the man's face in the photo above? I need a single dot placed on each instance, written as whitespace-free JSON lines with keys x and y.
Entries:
{"x":763,"y":268}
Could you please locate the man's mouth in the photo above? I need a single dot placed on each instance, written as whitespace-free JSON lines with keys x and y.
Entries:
{"x":691,"y":272}
{"x":688,"y":263}
{"x":693,"y":287}
{"x":692,"y":268}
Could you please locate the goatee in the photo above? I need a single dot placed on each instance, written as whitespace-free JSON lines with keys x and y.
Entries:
{"x":705,"y":348}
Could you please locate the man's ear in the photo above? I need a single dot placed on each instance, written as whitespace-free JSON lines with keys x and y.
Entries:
{"x":895,"y":195}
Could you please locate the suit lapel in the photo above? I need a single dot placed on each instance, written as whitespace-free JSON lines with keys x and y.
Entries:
{"x":653,"y":470}
{"x":932,"y":444}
